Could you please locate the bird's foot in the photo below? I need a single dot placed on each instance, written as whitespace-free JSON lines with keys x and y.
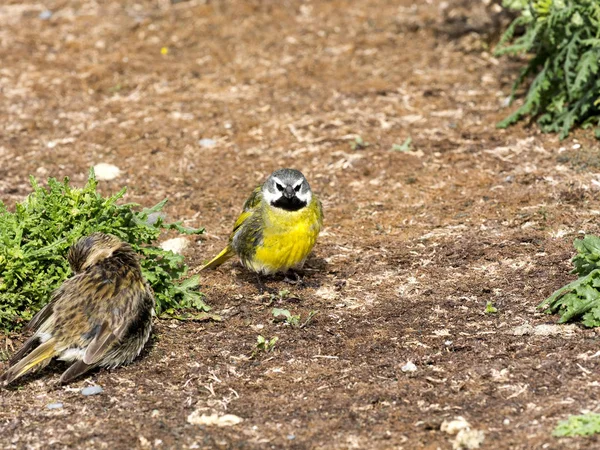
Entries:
{"x":294,"y":278}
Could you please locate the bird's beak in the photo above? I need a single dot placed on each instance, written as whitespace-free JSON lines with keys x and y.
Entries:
{"x":289,"y":192}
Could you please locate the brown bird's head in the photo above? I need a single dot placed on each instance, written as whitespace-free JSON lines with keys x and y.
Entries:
{"x":92,"y":249}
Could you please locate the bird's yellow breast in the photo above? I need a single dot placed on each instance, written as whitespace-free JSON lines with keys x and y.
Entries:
{"x":287,"y":238}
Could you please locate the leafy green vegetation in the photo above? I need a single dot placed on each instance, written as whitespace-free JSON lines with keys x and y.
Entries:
{"x":358,"y":143}
{"x":293,"y":320}
{"x":583,"y":425}
{"x":580,"y":300}
{"x":563,"y":37}
{"x":35,"y":238}
{"x":263,"y":344}
{"x":490,"y":308}
{"x":405,"y":147}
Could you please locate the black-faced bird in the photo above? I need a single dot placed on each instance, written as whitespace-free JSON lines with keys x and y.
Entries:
{"x":278,"y":226}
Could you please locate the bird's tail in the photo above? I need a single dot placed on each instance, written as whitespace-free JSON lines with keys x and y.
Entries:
{"x":37,"y":359}
{"x":219,"y":259}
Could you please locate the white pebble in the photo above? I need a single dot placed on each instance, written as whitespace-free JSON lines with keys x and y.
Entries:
{"x":409,"y":367}
{"x":454,"y":426}
{"x":92,"y":390}
{"x":226,"y":420}
{"x":207,"y":143}
{"x":176,"y":245}
{"x":105,"y":172}
{"x":57,"y":405}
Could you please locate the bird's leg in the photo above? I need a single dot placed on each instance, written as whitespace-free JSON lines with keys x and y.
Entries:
{"x":261,"y":285}
{"x":293,"y":277}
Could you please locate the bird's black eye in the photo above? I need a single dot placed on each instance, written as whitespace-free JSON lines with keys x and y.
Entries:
{"x":297,"y":188}
{"x":280,"y":188}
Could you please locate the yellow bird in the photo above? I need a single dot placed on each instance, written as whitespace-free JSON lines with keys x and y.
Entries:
{"x":100,"y":317}
{"x":278,"y":226}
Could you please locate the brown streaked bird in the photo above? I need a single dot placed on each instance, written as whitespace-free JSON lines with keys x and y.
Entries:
{"x":100,"y":317}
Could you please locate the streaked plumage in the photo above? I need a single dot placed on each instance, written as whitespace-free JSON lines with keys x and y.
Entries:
{"x":100,"y":317}
{"x":278,"y":226}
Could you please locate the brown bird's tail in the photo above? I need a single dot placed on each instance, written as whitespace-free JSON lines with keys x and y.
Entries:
{"x":219,"y":259}
{"x":37,"y":359}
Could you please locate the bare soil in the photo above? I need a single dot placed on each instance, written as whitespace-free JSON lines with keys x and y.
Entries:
{"x":415,"y":243}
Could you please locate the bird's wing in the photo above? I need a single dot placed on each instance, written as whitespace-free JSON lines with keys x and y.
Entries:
{"x":102,"y":341}
{"x":249,"y":207}
{"x":111,"y":310}
{"x":43,"y":314}
{"x":319,"y":213}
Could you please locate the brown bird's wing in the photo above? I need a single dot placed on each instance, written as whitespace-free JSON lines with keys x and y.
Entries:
{"x":43,"y":314}
{"x":101,"y":344}
{"x":38,"y":358}
{"x":105,"y":337}
{"x":103,"y":341}
{"x":28,"y":345}
{"x":76,"y":369}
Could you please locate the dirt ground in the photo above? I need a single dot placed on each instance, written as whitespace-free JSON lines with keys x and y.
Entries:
{"x":415,"y":243}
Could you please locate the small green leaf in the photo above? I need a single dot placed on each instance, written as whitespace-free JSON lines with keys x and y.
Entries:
{"x":404,"y":147}
{"x":490,"y":309}
{"x":281,"y":312}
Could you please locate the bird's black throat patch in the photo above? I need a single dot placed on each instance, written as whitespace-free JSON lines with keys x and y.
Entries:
{"x":289,"y":204}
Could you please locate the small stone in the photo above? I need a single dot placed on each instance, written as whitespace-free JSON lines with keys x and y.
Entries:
{"x":92,"y":390}
{"x":207,"y":143}
{"x":291,"y":437}
{"x":227,"y":420}
{"x":576,"y":146}
{"x":45,"y":15}
{"x":468,"y":439}
{"x":57,"y":405}
{"x":153,"y":217}
{"x":176,"y":245}
{"x":454,"y":426}
{"x":105,"y":172}
{"x":409,"y":367}
{"x":144,"y":442}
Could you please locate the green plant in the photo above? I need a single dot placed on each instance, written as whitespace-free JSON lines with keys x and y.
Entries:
{"x":490,"y":308}
{"x":292,"y":320}
{"x":35,"y":238}
{"x":564,"y":38}
{"x":582,"y":425}
{"x":405,"y":147}
{"x":264,"y":345}
{"x":358,"y":143}
{"x":581,"y":298}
